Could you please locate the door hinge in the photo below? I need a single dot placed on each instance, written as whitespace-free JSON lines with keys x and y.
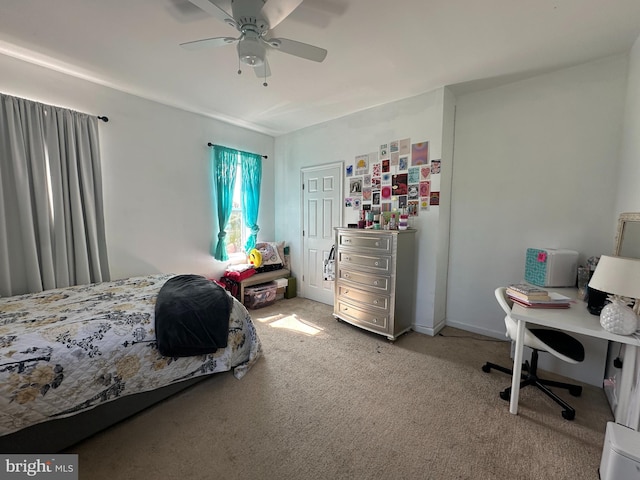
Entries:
{"x":303,"y":186}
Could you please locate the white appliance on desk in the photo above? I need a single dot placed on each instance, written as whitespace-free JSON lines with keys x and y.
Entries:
{"x":620,"y":454}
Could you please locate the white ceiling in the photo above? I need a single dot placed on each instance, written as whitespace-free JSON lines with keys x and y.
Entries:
{"x":379,"y":50}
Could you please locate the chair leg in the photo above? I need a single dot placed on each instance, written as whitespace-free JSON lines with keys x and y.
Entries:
{"x":575,"y":390}
{"x":488,"y":366}
{"x":568,"y":413}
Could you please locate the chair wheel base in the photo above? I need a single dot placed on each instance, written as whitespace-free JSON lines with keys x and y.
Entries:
{"x":568,"y":414}
{"x":486,"y":368}
{"x":575,"y":391}
{"x":505,"y":395}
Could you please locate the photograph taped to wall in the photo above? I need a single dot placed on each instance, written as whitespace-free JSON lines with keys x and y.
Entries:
{"x":355,"y":186}
{"x":348,"y":171}
{"x":413,"y":175}
{"x":348,"y":202}
{"x":366,"y":180}
{"x":412,"y":191}
{"x":384,"y":151}
{"x":403,"y":163}
{"x":386,"y":166}
{"x":395,"y":159}
{"x":424,"y":203}
{"x":419,"y":154}
{"x":425,"y":173}
{"x":375,"y":183}
{"x":434,"y":198}
{"x":362,"y":164}
{"x":435,"y":167}
{"x":394,"y":146}
{"x":399,"y":184}
{"x":404,"y":146}
{"x":425,"y":189}
{"x":376,"y":169}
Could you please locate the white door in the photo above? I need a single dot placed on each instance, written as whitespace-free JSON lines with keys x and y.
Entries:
{"x":322,"y":211}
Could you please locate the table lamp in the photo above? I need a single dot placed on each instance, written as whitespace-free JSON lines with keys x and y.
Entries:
{"x":619,"y":277}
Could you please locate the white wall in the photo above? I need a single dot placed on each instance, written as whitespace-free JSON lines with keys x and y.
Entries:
{"x":419,"y":118}
{"x":628,"y":199}
{"x":156,"y":171}
{"x":535,"y":165}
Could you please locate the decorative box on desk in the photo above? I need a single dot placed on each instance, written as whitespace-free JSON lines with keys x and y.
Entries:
{"x":549,"y":267}
{"x":376,"y":279}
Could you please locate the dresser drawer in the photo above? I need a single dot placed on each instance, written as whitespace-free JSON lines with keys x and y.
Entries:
{"x":380,"y":243}
{"x":371,"y":299}
{"x":374,"y":320}
{"x":377,"y":263}
{"x":367,"y":281}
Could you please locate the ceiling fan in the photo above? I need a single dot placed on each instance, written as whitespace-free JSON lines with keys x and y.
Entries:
{"x":254,"y":19}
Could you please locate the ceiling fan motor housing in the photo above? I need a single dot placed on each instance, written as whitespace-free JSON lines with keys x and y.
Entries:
{"x":251,"y":51}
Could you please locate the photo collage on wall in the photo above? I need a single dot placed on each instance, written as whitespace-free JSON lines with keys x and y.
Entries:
{"x":396,"y":178}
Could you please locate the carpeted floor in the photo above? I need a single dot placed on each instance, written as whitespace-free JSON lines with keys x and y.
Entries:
{"x":330,"y":401}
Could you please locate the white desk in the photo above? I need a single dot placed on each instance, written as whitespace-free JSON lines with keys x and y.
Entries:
{"x":575,"y":319}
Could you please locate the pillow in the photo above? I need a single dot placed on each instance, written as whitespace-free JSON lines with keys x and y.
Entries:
{"x":191,"y":316}
{"x":270,"y":255}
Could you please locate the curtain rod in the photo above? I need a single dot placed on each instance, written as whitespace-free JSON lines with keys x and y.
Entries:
{"x":212,"y":145}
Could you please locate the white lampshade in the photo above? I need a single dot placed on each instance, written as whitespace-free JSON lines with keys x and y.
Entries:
{"x":618,"y":276}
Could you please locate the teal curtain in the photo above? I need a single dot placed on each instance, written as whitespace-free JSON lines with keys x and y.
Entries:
{"x":224,"y":163}
{"x":251,"y":167}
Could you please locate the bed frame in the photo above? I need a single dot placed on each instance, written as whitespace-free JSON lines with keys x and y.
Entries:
{"x":59,"y":435}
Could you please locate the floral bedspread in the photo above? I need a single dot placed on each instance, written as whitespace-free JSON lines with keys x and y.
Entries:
{"x":68,"y":350}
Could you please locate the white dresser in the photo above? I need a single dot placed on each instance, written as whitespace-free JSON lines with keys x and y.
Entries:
{"x":376,"y":279}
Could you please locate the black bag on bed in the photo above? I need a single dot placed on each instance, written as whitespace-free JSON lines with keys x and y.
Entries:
{"x":191,"y":316}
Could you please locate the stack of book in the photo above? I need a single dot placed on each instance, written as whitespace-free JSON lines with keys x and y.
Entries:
{"x":535,"y":297}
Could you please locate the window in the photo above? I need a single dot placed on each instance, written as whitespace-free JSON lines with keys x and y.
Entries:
{"x":236,"y":232}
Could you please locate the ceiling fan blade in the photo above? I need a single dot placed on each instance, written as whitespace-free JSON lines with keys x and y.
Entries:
{"x":263,"y":71}
{"x":275,"y":11}
{"x":214,"y":10}
{"x":299,"y":49}
{"x":209,"y":42}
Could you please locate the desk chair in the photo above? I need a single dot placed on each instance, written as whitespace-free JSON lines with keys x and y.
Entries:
{"x":555,"y":342}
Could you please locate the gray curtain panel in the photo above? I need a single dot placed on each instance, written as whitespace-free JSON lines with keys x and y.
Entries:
{"x":51,"y":208}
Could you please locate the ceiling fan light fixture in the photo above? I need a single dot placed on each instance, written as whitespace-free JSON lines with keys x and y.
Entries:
{"x":251,"y":52}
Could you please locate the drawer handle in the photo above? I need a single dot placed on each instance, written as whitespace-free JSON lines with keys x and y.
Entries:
{"x":346,"y":275}
{"x":346,"y":291}
{"x":346,"y":240}
{"x":375,"y":302}
{"x":344,"y":309}
{"x":375,"y":320}
{"x":348,"y":259}
{"x":377,"y":244}
{"x":375,"y":282}
{"x":377,"y":263}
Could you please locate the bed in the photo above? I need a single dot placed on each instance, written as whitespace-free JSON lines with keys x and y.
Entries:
{"x":83,"y":357}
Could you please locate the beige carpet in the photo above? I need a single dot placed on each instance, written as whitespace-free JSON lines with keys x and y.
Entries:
{"x":330,"y":401}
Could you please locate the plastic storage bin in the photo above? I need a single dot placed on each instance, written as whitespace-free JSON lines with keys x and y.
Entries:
{"x":621,"y":453}
{"x":260,"y":296}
